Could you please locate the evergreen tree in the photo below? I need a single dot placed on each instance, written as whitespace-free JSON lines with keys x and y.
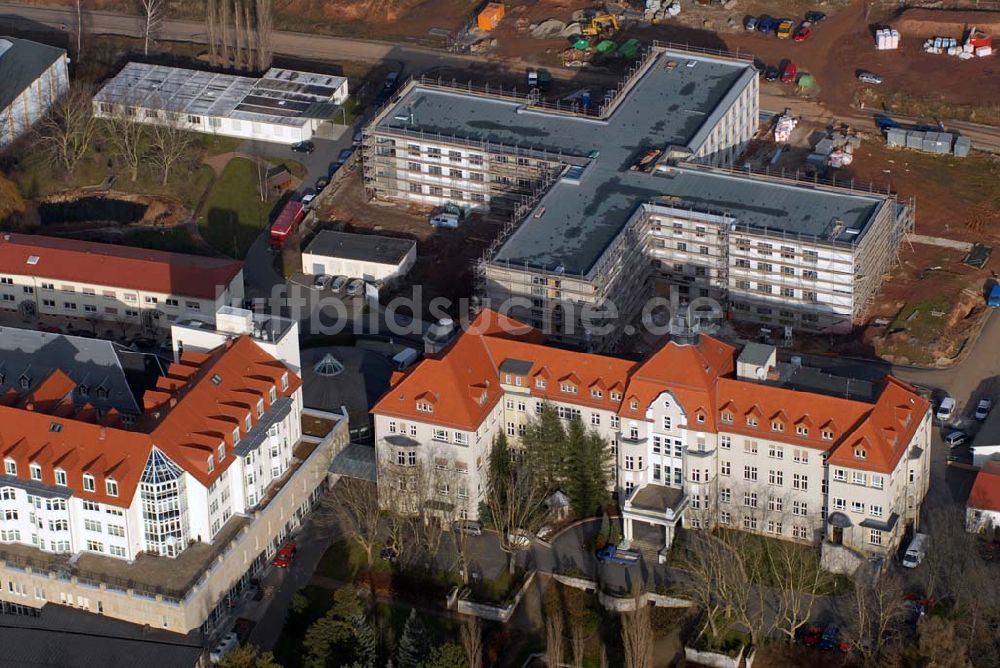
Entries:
{"x":586,"y":470}
{"x":332,"y":629}
{"x":448,"y":655}
{"x":365,"y":649}
{"x":546,"y":448}
{"x":414,"y":647}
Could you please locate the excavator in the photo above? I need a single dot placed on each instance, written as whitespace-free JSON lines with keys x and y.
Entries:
{"x":603,"y":25}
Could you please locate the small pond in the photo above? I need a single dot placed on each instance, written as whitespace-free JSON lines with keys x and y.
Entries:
{"x":90,"y":209}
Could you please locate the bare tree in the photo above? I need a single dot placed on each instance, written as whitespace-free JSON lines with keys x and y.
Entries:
{"x":798,"y":580}
{"x":212,"y":30}
{"x":170,"y":143}
{"x":265,"y":33}
{"x":637,"y":634}
{"x":127,"y":137}
{"x":225,"y":18}
{"x":237,"y":14}
{"x":355,"y":504}
{"x":248,"y":33}
{"x":67,"y":131}
{"x":554,"y":640}
{"x":876,"y":616}
{"x":79,"y":29}
{"x":604,"y":655}
{"x":153,"y":12}
{"x":472,"y":641}
{"x":515,"y":500}
{"x":578,"y":639}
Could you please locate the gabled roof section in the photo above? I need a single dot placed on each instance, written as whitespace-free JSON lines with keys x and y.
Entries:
{"x":124,"y":267}
{"x":985,"y":494}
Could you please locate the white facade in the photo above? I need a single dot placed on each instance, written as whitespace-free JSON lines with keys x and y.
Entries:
{"x":317,"y":263}
{"x":18,"y":59}
{"x":278,"y":337}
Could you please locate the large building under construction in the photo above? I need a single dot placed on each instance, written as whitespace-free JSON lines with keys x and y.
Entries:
{"x":634,"y":196}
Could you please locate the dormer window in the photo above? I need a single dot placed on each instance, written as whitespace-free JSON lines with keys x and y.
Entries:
{"x":751,"y":421}
{"x":247,"y":423}
{"x":111,"y":487}
{"x":540,"y":383}
{"x":221,"y":451}
{"x":616,"y":396}
{"x":424,"y":407}
{"x":88,"y":483}
{"x":83,"y":390}
{"x":61,"y":478}
{"x":210,"y":463}
{"x":860,"y":453}
{"x":10,"y":467}
{"x":36,"y":471}
{"x":727,"y":417}
{"x":596,"y":393}
{"x":827,"y":435}
{"x":700,"y":418}
{"x":272,"y":394}
{"x":236,"y":436}
{"x":102,"y":392}
{"x":260,"y":408}
{"x":568,"y":388}
{"x":777,"y":426}
{"x":633,"y":404}
{"x":802,"y":430}
{"x":25,"y":382}
{"x":284,"y":381}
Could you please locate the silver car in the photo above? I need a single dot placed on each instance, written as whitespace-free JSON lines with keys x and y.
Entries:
{"x":322,"y":281}
{"x":869,"y":77}
{"x":356,"y":288}
{"x":338,"y":283}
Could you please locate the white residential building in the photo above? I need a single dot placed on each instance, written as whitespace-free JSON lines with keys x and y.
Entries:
{"x":701,"y":436}
{"x":32,"y":77}
{"x":371,"y":257}
{"x":95,"y":282}
{"x":283,"y":106}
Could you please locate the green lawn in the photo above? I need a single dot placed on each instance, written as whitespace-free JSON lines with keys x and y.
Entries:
{"x":233,"y":215}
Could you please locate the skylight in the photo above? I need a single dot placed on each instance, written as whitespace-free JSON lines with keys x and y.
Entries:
{"x":33,"y":259}
{"x":328,"y":366}
{"x":216,"y":379}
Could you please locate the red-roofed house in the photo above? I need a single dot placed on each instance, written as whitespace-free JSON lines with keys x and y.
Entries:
{"x":702,"y":436}
{"x":982,"y":510}
{"x":121,"y":284}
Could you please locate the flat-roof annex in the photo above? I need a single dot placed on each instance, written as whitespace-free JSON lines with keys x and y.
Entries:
{"x":280,"y":96}
{"x":361,"y":247}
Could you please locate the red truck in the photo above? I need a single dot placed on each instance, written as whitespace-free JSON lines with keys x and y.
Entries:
{"x":286,"y":223}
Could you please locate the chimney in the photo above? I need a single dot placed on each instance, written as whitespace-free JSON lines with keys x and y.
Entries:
{"x":173,"y":401}
{"x":29,"y":406}
{"x":102,"y":433}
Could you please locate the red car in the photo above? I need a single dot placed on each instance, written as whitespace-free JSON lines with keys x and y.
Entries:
{"x":788,"y":73}
{"x":285,"y":556}
{"x":802,"y":34}
{"x":812,"y":636}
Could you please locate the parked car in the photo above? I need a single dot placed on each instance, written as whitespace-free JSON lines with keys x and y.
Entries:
{"x":223,"y":647}
{"x":356,"y":288}
{"x":52,"y":329}
{"x":766,"y":24}
{"x":285,"y":555}
{"x":750,"y":23}
{"x":812,"y":636}
{"x":468,"y":527}
{"x":815,"y":17}
{"x":358,"y":137}
{"x":759,"y":65}
{"x":956,"y":438}
{"x":830,"y":638}
{"x":983,"y":408}
{"x":869,"y":77}
{"x":803,"y":33}
{"x":322,"y":281}
{"x":789,"y":72}
{"x":785,"y":28}
{"x":916,"y":550}
{"x":614,"y":555}
{"x":519,"y":538}
{"x":304,"y":147}
{"x":946,"y":409}
{"x":345,"y":155}
{"x":339,"y":283}
{"x":771,"y":74}
{"x":307,"y":200}
{"x":321,"y":184}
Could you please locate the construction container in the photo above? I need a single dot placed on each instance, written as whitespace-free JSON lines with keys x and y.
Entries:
{"x":915,"y":140}
{"x":490,"y":17}
{"x":983,"y":51}
{"x":606,"y":47}
{"x":630,"y":48}
{"x":962,"y":147}
{"x":896,"y":137}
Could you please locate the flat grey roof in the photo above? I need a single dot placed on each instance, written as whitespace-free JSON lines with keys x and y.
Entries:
{"x":361,"y":247}
{"x":812,"y":379}
{"x":666,"y":106}
{"x":21,"y":63}
{"x":280,"y":96}
{"x":756,"y":353}
{"x":574,"y":224}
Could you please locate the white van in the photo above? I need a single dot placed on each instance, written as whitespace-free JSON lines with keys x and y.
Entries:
{"x":405,"y":358}
{"x":916,"y":551}
{"x":445,"y":220}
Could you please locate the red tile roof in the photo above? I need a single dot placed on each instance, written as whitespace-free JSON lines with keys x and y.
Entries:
{"x":699,"y":375}
{"x":187,"y":424}
{"x":985,"y":494}
{"x":113,"y":265}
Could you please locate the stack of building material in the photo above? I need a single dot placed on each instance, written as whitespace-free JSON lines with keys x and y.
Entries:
{"x":886,"y":39}
{"x":962,"y":146}
{"x":783,"y":127}
{"x":977,"y":44}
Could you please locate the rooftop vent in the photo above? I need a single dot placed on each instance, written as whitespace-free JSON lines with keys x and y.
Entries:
{"x":216,"y":379}
{"x":55,"y":427}
{"x":33,"y":259}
